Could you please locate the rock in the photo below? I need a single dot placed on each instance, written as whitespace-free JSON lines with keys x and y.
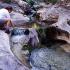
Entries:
{"x":49,"y":59}
{"x":40,"y":1}
{"x":18,"y":19}
{"x":60,"y":17}
{"x":35,"y":68}
{"x":21,"y":33}
{"x":43,"y":14}
{"x":42,"y":5}
{"x":65,"y":4}
{"x":18,"y":41}
{"x":21,"y":3}
{"x":7,"y":58}
{"x":53,"y":33}
{"x":51,"y":19}
{"x":56,"y":33}
{"x":34,"y":35}
{"x":3,"y":5}
{"x":60,"y":13}
{"x":50,"y":35}
{"x":16,"y":8}
{"x":66,"y":48}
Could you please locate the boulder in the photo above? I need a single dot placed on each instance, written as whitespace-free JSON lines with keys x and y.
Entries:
{"x":49,"y":59}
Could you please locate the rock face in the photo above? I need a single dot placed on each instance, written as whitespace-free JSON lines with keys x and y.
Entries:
{"x":48,"y":59}
{"x":7,"y":58}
